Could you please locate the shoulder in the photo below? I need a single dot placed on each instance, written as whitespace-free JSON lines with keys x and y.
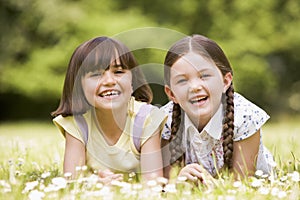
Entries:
{"x":63,"y":121}
{"x":168,"y":110}
{"x":245,"y":108}
{"x":147,"y":117}
{"x":240,"y":102}
{"x":143,"y":108}
{"x":147,"y":114}
{"x":168,"y":107}
{"x":69,"y":124}
{"x":248,"y":117}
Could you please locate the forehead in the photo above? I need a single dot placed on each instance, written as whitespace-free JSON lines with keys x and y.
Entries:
{"x":193,"y":62}
{"x":102,"y":60}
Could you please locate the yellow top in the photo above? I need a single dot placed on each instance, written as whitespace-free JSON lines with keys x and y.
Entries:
{"x":122,"y":156}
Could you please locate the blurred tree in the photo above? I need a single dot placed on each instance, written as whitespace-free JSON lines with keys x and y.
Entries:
{"x":261,"y":39}
{"x":37,"y":40}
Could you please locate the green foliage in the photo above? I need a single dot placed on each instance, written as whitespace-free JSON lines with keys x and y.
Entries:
{"x":264,"y":33}
{"x":34,"y":64}
{"x":261,"y":39}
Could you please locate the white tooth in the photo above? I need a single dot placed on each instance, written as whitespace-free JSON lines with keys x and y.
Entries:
{"x":198,"y":99}
{"x":110,"y":93}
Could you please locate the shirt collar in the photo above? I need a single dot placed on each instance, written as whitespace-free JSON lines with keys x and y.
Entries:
{"x":214,"y":127}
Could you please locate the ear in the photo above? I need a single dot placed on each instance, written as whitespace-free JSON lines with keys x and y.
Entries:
{"x":227,"y":81}
{"x":170,"y":94}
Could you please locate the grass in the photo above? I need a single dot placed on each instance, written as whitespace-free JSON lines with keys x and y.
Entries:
{"x":31,"y":168}
{"x":40,"y":140}
{"x":282,"y":139}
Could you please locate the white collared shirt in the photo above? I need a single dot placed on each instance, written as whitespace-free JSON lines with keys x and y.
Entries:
{"x":206,"y":147}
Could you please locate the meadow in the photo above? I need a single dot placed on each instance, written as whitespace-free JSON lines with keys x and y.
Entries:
{"x":31,"y":168}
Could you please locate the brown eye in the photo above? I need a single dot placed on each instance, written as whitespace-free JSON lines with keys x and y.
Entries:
{"x":97,"y":73}
{"x":181,"y":80}
{"x":203,"y":76}
{"x":119,"y":70}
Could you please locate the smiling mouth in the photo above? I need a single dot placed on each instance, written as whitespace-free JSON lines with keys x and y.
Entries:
{"x":110,"y":93}
{"x":198,"y":100}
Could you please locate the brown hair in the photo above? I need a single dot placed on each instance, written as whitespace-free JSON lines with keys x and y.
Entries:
{"x":94,"y":54}
{"x":212,"y":51}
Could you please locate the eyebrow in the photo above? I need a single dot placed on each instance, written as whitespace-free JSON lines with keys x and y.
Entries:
{"x":201,"y":71}
{"x":114,"y":63}
{"x":205,"y":69}
{"x":117,"y":66}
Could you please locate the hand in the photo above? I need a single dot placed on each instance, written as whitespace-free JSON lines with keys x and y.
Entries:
{"x":106,"y":176}
{"x":195,"y":172}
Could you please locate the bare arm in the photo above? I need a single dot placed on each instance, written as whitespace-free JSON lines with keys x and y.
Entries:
{"x":151,"y":158}
{"x":245,"y":154}
{"x":74,"y":154}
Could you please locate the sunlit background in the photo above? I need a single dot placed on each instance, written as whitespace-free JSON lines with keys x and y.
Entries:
{"x":260,"y":37}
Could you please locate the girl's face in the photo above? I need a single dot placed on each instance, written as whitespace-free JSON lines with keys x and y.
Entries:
{"x":108,"y":89}
{"x":197,"y":84}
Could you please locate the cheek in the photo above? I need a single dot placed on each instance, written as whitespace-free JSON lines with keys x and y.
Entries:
{"x":89,"y":89}
{"x":215,"y":86}
{"x":180,"y":94}
{"x":126,"y":82}
{"x":216,"y":91}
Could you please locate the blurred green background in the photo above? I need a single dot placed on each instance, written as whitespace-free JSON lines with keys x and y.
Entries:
{"x":260,"y":37}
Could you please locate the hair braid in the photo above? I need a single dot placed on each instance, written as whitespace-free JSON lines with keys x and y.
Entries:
{"x":176,"y":136}
{"x":228,"y":127}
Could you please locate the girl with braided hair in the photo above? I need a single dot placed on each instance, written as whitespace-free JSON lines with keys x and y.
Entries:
{"x":210,"y":127}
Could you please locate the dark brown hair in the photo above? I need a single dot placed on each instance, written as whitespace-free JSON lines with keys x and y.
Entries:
{"x":211,"y":50}
{"x":98,"y":53}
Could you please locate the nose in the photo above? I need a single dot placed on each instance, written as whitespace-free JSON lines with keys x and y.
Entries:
{"x":108,"y":78}
{"x":196,"y":85}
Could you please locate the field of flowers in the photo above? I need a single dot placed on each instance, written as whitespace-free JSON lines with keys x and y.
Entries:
{"x":31,"y":168}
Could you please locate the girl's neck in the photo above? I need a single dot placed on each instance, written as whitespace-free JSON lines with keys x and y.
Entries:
{"x":199,"y":123}
{"x":111,"y":123}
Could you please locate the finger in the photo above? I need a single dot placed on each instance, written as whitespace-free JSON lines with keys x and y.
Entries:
{"x":201,"y":171}
{"x":104,"y":173}
{"x":117,"y":176}
{"x":190,"y":177}
{"x":198,"y":171}
{"x":203,"y":177}
{"x":106,"y":180}
{"x":109,"y":178}
{"x":198,"y":167}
